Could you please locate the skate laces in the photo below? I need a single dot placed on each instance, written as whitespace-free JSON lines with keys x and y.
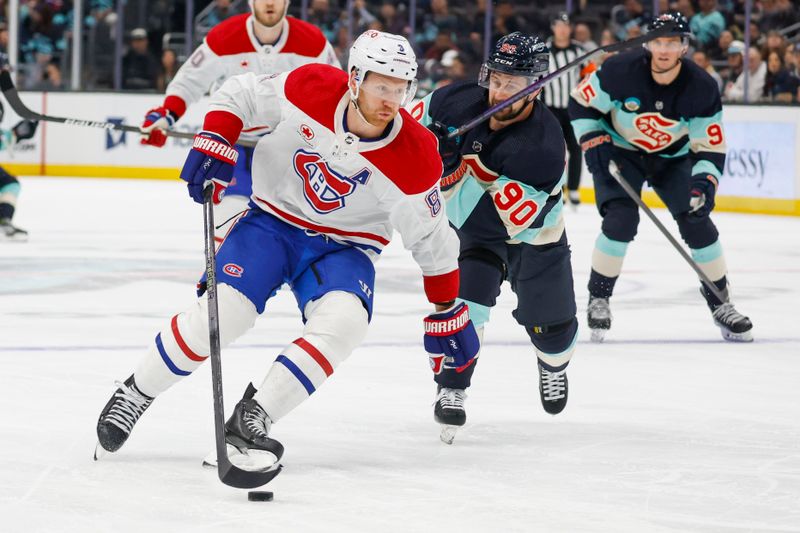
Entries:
{"x":553,"y":384}
{"x":452,"y":398}
{"x":256,"y":420}
{"x":598,"y":308}
{"x":128,"y":407}
{"x":726,"y":313}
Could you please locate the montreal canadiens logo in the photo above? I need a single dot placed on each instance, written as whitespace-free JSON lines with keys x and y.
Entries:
{"x":653,"y":129}
{"x":232,"y":269}
{"x":325,"y":189}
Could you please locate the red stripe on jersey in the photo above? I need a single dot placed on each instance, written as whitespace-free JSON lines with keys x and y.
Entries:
{"x":442,"y":288}
{"x":316,"y":89}
{"x":411,"y":161}
{"x":316,"y":355}
{"x":175,"y":104}
{"x":184,"y":348}
{"x":322,"y":229}
{"x":479,"y":169}
{"x":223,"y":123}
{"x":304,"y":39}
{"x":230,"y":36}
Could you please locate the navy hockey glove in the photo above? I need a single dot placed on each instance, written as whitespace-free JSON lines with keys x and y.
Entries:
{"x":211,"y":161}
{"x":25,"y":129}
{"x":449,"y":150}
{"x":596,"y":148}
{"x":701,"y":196}
{"x":450,"y":339}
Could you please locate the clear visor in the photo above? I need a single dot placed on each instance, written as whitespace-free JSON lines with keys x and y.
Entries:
{"x":398,"y":93}
{"x":500,"y":81}
{"x":665,"y":45}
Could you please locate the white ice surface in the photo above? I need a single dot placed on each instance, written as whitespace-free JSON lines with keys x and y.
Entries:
{"x":668,"y":427}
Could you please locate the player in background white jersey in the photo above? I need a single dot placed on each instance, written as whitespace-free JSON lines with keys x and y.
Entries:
{"x":265,"y":41}
{"x":343,"y":167}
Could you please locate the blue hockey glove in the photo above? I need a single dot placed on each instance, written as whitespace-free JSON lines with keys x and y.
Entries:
{"x":450,"y":339}
{"x":701,"y":195}
{"x":449,"y":151}
{"x":211,"y":161}
{"x":596,"y":148}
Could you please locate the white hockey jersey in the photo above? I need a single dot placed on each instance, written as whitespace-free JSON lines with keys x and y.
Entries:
{"x":231,"y":48}
{"x":314,"y":174}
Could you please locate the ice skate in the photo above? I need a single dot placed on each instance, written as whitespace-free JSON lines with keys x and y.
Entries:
{"x":10,"y":232}
{"x":734,"y":326}
{"x":553,"y":389}
{"x":598,"y":315}
{"x":247,"y":436}
{"x":119,"y":416}
{"x":574,"y":198}
{"x":449,"y":412}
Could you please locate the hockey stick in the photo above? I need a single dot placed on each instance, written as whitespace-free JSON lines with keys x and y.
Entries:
{"x":19,"y":107}
{"x":544,"y":80}
{"x":228,"y":473}
{"x":614,"y":170}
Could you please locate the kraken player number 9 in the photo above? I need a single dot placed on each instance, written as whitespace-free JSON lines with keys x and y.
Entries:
{"x":714,"y":133}
{"x":509,"y":197}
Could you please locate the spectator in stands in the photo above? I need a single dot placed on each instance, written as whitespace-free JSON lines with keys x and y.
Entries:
{"x":777,"y":14}
{"x":606,"y":38}
{"x":583,"y":35}
{"x":719,"y":50}
{"x":392,"y":22}
{"x":756,"y":37}
{"x":169,"y":67}
{"x":53,"y":81}
{"x":222,"y":10}
{"x":506,"y":20}
{"x":443,"y":43}
{"x":708,"y":23}
{"x":775,"y":42}
{"x":632,"y":14}
{"x":701,"y":59}
{"x":686,"y":7}
{"x":735,"y":63}
{"x":319,"y":14}
{"x":780,"y":85}
{"x":454,"y":69}
{"x":790,"y":61}
{"x":734,"y":92}
{"x":139,"y":67}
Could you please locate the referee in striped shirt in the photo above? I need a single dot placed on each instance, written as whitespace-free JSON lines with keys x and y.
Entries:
{"x":556,"y":95}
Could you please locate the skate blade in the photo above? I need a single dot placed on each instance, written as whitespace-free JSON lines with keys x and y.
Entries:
{"x":251,"y":460}
{"x":598,"y":335}
{"x":448,"y":433}
{"x":745,"y":336}
{"x":99,"y":452}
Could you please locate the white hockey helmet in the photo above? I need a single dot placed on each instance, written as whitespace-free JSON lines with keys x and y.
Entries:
{"x":383,"y":53}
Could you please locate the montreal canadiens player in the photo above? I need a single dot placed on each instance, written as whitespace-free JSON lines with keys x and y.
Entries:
{"x":659,"y":118}
{"x":343,"y":168}
{"x":503,"y":188}
{"x":266,"y":41}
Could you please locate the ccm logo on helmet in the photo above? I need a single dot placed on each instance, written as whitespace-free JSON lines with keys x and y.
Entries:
{"x":232,"y":269}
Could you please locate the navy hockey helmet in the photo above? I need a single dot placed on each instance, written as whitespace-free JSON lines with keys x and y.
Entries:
{"x":679,"y":23}
{"x":517,"y":54}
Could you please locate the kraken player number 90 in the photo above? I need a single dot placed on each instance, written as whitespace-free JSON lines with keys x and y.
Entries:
{"x":509,"y":199}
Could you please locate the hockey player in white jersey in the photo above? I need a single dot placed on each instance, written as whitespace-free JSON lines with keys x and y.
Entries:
{"x":265,"y":41}
{"x":343,"y":168}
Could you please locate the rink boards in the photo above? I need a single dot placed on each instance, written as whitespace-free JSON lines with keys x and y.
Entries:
{"x":762,"y":173}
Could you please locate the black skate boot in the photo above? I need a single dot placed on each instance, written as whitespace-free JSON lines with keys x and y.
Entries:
{"x":247,"y":435}
{"x":735,"y":326}
{"x":10,"y":232}
{"x":448,"y":410}
{"x":598,"y":315}
{"x":119,"y":416}
{"x":553,"y":389}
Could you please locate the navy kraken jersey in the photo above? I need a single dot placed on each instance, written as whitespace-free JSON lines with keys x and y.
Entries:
{"x":681,"y":119}
{"x":508,"y":187}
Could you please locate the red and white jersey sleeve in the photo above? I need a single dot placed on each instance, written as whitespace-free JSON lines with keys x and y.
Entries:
{"x":231,"y":48}
{"x":314,"y":174}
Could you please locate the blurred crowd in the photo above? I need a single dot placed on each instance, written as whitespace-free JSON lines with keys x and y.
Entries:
{"x":448,"y":35}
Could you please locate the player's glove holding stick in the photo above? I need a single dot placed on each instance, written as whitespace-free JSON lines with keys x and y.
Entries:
{"x":449,"y":151}
{"x":701,"y":196}
{"x":450,"y":339}
{"x":156,"y":122}
{"x":211,"y":161}
{"x":596,"y":148}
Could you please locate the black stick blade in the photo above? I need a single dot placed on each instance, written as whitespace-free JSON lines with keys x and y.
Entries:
{"x":245,"y":479}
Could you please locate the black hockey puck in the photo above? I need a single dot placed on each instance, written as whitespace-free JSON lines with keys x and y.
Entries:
{"x":259,"y":496}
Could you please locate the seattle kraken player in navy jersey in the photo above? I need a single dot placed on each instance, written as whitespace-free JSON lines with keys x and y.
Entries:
{"x":659,"y":118}
{"x":502,"y":183}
